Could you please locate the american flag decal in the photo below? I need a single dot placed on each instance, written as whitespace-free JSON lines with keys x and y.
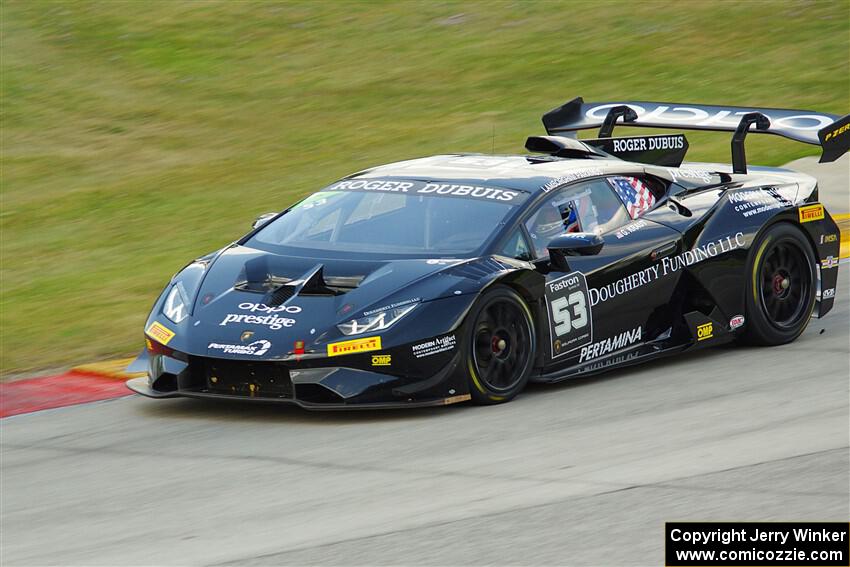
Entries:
{"x":635,"y":194}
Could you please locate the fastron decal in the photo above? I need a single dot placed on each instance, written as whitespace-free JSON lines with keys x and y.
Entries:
{"x":570,"y":318}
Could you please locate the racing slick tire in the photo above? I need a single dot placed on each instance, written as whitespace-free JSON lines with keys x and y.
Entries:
{"x":500,"y":346}
{"x":781,"y":286}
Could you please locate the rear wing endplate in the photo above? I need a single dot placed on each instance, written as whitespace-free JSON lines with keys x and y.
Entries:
{"x":829,"y":131}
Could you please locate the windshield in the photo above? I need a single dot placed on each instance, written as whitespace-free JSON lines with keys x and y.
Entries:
{"x":405,"y":221}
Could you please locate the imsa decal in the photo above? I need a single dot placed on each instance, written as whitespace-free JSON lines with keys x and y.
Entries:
{"x":570,"y":318}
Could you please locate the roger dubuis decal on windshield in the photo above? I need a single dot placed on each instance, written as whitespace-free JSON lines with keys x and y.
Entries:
{"x":512,"y":196}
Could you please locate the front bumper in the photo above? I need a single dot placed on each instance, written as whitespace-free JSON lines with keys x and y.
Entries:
{"x":437,"y":381}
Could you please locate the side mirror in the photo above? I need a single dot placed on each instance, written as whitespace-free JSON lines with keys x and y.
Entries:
{"x":573,"y":244}
{"x":263,"y":219}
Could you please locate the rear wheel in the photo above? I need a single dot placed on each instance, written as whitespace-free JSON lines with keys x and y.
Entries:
{"x":781,"y":286}
{"x":500,"y":347}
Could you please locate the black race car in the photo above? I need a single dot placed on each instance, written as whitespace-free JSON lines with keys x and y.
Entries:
{"x":462,"y":277}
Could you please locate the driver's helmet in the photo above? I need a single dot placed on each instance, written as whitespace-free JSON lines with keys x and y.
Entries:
{"x":551,"y":222}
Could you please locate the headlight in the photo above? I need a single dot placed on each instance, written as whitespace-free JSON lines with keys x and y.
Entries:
{"x":375,"y":322}
{"x":175,"y":305}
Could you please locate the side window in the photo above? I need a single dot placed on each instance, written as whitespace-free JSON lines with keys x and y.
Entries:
{"x":635,"y":193}
{"x":517,"y":247}
{"x":589,"y":206}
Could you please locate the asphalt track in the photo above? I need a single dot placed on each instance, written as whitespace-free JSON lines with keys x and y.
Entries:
{"x":582,"y":473}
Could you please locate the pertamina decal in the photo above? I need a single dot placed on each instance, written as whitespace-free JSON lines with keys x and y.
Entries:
{"x":160,"y":333}
{"x":568,"y":306}
{"x":354,"y":346}
{"x":609,"y":345}
{"x":811,"y":213}
{"x":705,"y":331}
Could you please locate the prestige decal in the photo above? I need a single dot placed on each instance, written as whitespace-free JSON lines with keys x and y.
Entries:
{"x":572,"y":176}
{"x":667,"y":266}
{"x":273,"y":322}
{"x":757,"y":201}
{"x":257,"y":348}
{"x":434,"y":346}
{"x":630,"y":228}
{"x":609,"y":345}
{"x":690,"y":174}
{"x":422,"y":188}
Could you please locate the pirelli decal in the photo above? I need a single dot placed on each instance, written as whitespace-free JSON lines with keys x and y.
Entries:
{"x":811,"y":213}
{"x":159,"y":333}
{"x":354,"y":346}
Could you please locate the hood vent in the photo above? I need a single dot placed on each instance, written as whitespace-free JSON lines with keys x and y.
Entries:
{"x":477,"y":269}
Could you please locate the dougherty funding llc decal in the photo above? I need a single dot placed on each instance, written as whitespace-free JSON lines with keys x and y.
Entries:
{"x":756,"y":543}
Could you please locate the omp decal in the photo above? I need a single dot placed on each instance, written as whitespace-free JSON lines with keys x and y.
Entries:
{"x":257,"y":348}
{"x":705,"y":331}
{"x":609,"y":345}
{"x":811,"y":213}
{"x":356,"y":345}
{"x":434,"y":346}
{"x":382,"y":360}
{"x":160,"y":333}
{"x":736,"y":322}
{"x":570,"y":317}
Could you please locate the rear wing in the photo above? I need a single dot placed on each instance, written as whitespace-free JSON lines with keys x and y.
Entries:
{"x":829,"y":131}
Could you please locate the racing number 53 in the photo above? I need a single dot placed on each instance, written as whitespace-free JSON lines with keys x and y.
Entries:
{"x":569,"y":313}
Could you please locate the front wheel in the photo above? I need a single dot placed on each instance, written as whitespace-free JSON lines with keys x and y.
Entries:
{"x":781,"y":286}
{"x":500,"y":347}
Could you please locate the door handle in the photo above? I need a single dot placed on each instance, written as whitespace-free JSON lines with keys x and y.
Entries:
{"x":664,"y":251}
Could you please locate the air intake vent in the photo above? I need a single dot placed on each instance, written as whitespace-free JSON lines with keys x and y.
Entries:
{"x":280,"y":295}
{"x":477,"y":269}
